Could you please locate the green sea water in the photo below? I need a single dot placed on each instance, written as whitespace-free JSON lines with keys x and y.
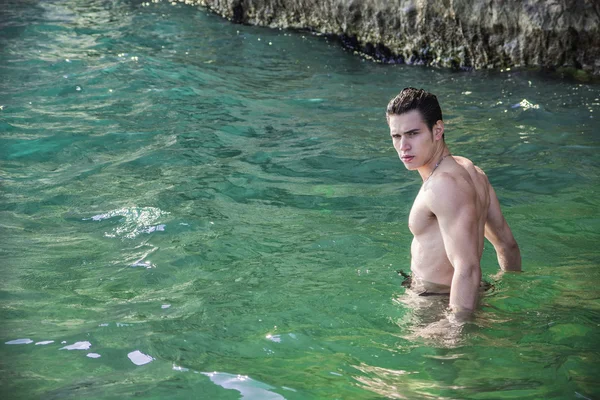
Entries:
{"x":192,"y":209}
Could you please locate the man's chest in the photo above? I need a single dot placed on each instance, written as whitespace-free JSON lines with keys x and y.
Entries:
{"x":420,"y":218}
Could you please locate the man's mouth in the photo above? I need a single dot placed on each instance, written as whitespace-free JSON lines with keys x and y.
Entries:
{"x":407,"y":158}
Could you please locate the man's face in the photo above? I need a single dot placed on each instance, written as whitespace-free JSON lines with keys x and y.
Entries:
{"x":413,"y":140}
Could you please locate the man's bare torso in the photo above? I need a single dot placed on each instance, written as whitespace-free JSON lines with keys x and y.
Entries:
{"x":429,"y":261}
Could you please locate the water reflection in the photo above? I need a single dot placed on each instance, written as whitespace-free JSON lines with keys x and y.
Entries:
{"x":248,"y":387}
{"x":428,"y":319}
{"x":19,"y":341}
{"x":139,"y":358}
{"x":134,"y":221}
{"x":78,"y":346}
{"x":300,"y":198}
{"x":386,"y":382}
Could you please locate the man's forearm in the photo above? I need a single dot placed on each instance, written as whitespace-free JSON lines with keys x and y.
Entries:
{"x":465,"y":289}
{"x":509,"y":258}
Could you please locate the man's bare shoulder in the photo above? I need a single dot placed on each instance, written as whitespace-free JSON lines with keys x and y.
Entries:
{"x":458,"y":184}
{"x":451,"y":185}
{"x":468,"y":165}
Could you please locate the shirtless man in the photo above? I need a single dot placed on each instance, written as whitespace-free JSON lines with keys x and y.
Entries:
{"x":454,"y":209}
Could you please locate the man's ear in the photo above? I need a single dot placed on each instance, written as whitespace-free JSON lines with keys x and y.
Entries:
{"x":438,"y":130}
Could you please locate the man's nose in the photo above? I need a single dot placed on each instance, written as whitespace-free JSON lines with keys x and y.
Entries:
{"x":404,"y":144}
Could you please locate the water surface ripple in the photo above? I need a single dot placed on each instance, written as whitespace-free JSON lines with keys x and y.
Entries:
{"x":196,"y":208}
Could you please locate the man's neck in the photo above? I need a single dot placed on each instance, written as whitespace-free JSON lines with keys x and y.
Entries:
{"x":426,"y":170}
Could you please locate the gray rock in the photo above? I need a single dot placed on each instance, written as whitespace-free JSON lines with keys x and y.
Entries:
{"x":448,"y":33}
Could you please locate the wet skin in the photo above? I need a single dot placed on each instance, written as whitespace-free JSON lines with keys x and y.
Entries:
{"x":452,"y":213}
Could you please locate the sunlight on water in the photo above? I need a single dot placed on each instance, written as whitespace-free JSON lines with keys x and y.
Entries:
{"x":248,"y":388}
{"x":181,"y":194}
{"x":134,"y":221}
{"x":139,"y":358}
{"x":77,"y":346}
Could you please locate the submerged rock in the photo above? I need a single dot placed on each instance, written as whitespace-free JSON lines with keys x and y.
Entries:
{"x":449,"y":33}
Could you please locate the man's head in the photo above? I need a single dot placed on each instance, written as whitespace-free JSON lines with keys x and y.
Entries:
{"x":416,"y":99}
{"x":416,"y":127}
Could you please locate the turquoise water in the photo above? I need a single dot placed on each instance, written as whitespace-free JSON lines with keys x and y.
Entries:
{"x":222,"y":205}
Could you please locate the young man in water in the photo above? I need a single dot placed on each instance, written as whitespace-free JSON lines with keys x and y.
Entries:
{"x":454,"y":209}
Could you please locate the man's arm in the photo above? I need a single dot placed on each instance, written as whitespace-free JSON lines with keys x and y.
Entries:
{"x":453,"y":202}
{"x":500,"y":235}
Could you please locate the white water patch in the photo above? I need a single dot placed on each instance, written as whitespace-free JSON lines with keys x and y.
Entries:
{"x":93,"y":355}
{"x":141,"y":260}
{"x":43,"y":343}
{"x":77,"y":346}
{"x":134,"y":221}
{"x":139,"y":358}
{"x":145,"y":264}
{"x":19,"y":341}
{"x":526,"y":105}
{"x":279,"y":338}
{"x":274,"y":338}
{"x":248,"y":387}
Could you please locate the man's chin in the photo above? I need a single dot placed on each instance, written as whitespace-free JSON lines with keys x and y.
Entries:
{"x":410,"y":164}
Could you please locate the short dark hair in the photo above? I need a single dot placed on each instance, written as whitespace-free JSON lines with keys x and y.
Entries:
{"x":416,"y":99}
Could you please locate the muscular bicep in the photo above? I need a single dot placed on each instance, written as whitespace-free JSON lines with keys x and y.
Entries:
{"x":496,"y":228}
{"x":456,"y":213}
{"x":455,"y":206}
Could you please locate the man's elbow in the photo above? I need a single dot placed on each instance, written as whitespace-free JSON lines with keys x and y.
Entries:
{"x":468,"y":272}
{"x":509,"y":256}
{"x":506,"y":245}
{"x":512,"y":245}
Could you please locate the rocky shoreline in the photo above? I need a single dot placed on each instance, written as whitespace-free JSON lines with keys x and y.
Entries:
{"x":561,"y":35}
